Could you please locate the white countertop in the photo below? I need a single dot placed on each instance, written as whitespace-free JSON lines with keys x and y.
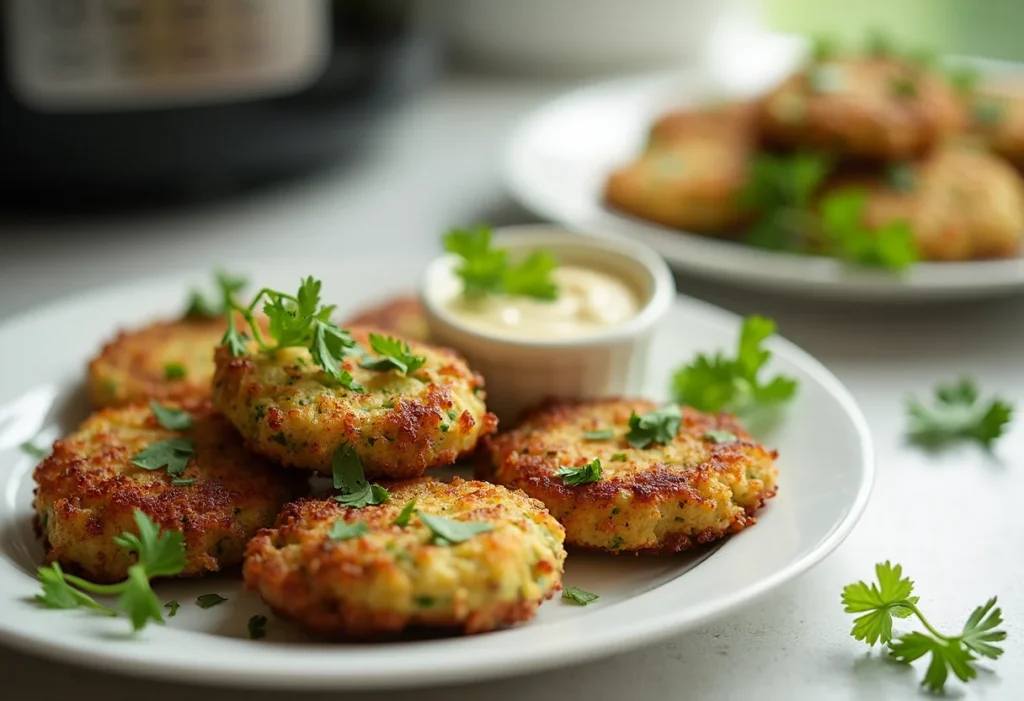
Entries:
{"x":951,"y":520}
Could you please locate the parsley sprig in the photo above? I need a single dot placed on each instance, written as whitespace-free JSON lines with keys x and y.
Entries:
{"x":892,"y":597}
{"x":658,"y":426}
{"x":719,"y":382}
{"x":395,"y":354}
{"x":958,"y":413}
{"x":447,"y":531}
{"x":846,"y":236}
{"x":173,"y":453}
{"x":486,"y":270}
{"x":202,"y":306}
{"x":159,"y":555}
{"x":355,"y":491}
{"x":584,"y":474}
{"x":295,"y":321}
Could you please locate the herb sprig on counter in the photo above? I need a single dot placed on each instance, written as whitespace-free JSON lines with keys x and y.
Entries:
{"x":486,"y":270}
{"x":720,"y":382}
{"x":159,"y":555}
{"x":892,"y":597}
{"x":958,"y":413}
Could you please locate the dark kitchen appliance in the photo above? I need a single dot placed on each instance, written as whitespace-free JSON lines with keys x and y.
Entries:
{"x":126,"y":96}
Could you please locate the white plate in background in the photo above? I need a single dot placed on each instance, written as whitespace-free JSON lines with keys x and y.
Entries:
{"x":826,"y":471}
{"x":558,"y":158}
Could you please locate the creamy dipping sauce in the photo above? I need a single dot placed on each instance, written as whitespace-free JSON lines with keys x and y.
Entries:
{"x":589,"y":301}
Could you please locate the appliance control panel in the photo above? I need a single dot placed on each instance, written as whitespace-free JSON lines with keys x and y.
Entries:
{"x":106,"y":55}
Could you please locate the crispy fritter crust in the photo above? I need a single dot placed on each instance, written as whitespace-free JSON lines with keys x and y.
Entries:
{"x":403,"y":316}
{"x":132,"y":368}
{"x":88,"y":491}
{"x":392,"y":578}
{"x":661,"y":499}
{"x":400,"y":426}
{"x":854,"y":107}
{"x":692,"y":171}
{"x":965,"y":204}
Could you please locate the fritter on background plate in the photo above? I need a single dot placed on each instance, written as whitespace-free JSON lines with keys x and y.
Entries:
{"x":403,"y":316}
{"x":699,"y":478}
{"x":467,"y":555}
{"x":399,"y":424}
{"x":212,"y":489}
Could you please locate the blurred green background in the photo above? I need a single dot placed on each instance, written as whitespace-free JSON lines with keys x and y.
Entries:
{"x":989,"y":28}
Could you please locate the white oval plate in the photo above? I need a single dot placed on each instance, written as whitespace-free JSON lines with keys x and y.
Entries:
{"x":826,"y":475}
{"x":558,"y":158}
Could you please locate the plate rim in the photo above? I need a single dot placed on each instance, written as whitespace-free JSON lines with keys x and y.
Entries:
{"x":627,"y":636}
{"x":716,"y":258}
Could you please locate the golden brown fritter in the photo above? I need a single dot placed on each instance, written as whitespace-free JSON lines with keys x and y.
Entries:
{"x":88,"y":491}
{"x":289,"y":411}
{"x":692,"y":171}
{"x":863,"y":108}
{"x":166,"y":361}
{"x":390,"y":578}
{"x":403,"y":316}
{"x":659,"y":499}
{"x":998,"y":120}
{"x":961,"y":203}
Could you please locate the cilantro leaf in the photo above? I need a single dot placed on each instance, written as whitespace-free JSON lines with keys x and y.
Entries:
{"x":33,"y":450}
{"x":170,"y":418}
{"x":716,"y":436}
{"x":658,"y":426}
{"x":172,"y":607}
{"x":578,"y":596}
{"x":257,"y":627}
{"x":958,"y":414}
{"x":485,"y":270}
{"x":395,"y":355}
{"x":891,"y":597}
{"x":585,"y":474}
{"x":205,"y":601}
{"x":349,"y":478}
{"x":719,"y":383}
{"x":600,"y":434}
{"x":402,"y":520}
{"x":449,"y":531}
{"x":160,"y":554}
{"x":58,"y":594}
{"x":173,"y":453}
{"x":341,"y":530}
{"x":847,"y":237}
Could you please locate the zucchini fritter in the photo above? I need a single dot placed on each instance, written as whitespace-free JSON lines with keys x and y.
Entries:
{"x":863,"y":108}
{"x":403,"y":316}
{"x":166,"y":361}
{"x":389,"y":577}
{"x":88,"y":491}
{"x":659,"y":499}
{"x":289,"y":411}
{"x":692,"y":171}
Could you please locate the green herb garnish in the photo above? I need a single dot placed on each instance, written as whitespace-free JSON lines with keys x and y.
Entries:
{"x":342,"y":530}
{"x":903,"y":86}
{"x":172,"y":607}
{"x":449,"y":531}
{"x":878,"y":44}
{"x":848,"y":238}
{"x":486,"y":270}
{"x":718,"y":382}
{"x":199,"y":305}
{"x":618,"y":457}
{"x":958,"y":414}
{"x":585,"y":474}
{"x":658,"y":426}
{"x":892,"y":596}
{"x":395,"y":355}
{"x":174,"y":371}
{"x":296,"y":321}
{"x":988,"y":112}
{"x":402,"y":520}
{"x":780,"y":192}
{"x":825,"y":78}
{"x":717,"y":436}
{"x":159,"y":555}
{"x":33,"y":450}
{"x":172,"y":419}
{"x":964,"y":79}
{"x":174,"y":454}
{"x":257,"y":627}
{"x":349,"y":478}
{"x":823,"y":49}
{"x":601,"y":434}
{"x":205,"y":601}
{"x":578,"y":596}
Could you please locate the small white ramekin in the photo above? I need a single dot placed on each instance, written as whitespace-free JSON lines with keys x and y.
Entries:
{"x":520,"y":373}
